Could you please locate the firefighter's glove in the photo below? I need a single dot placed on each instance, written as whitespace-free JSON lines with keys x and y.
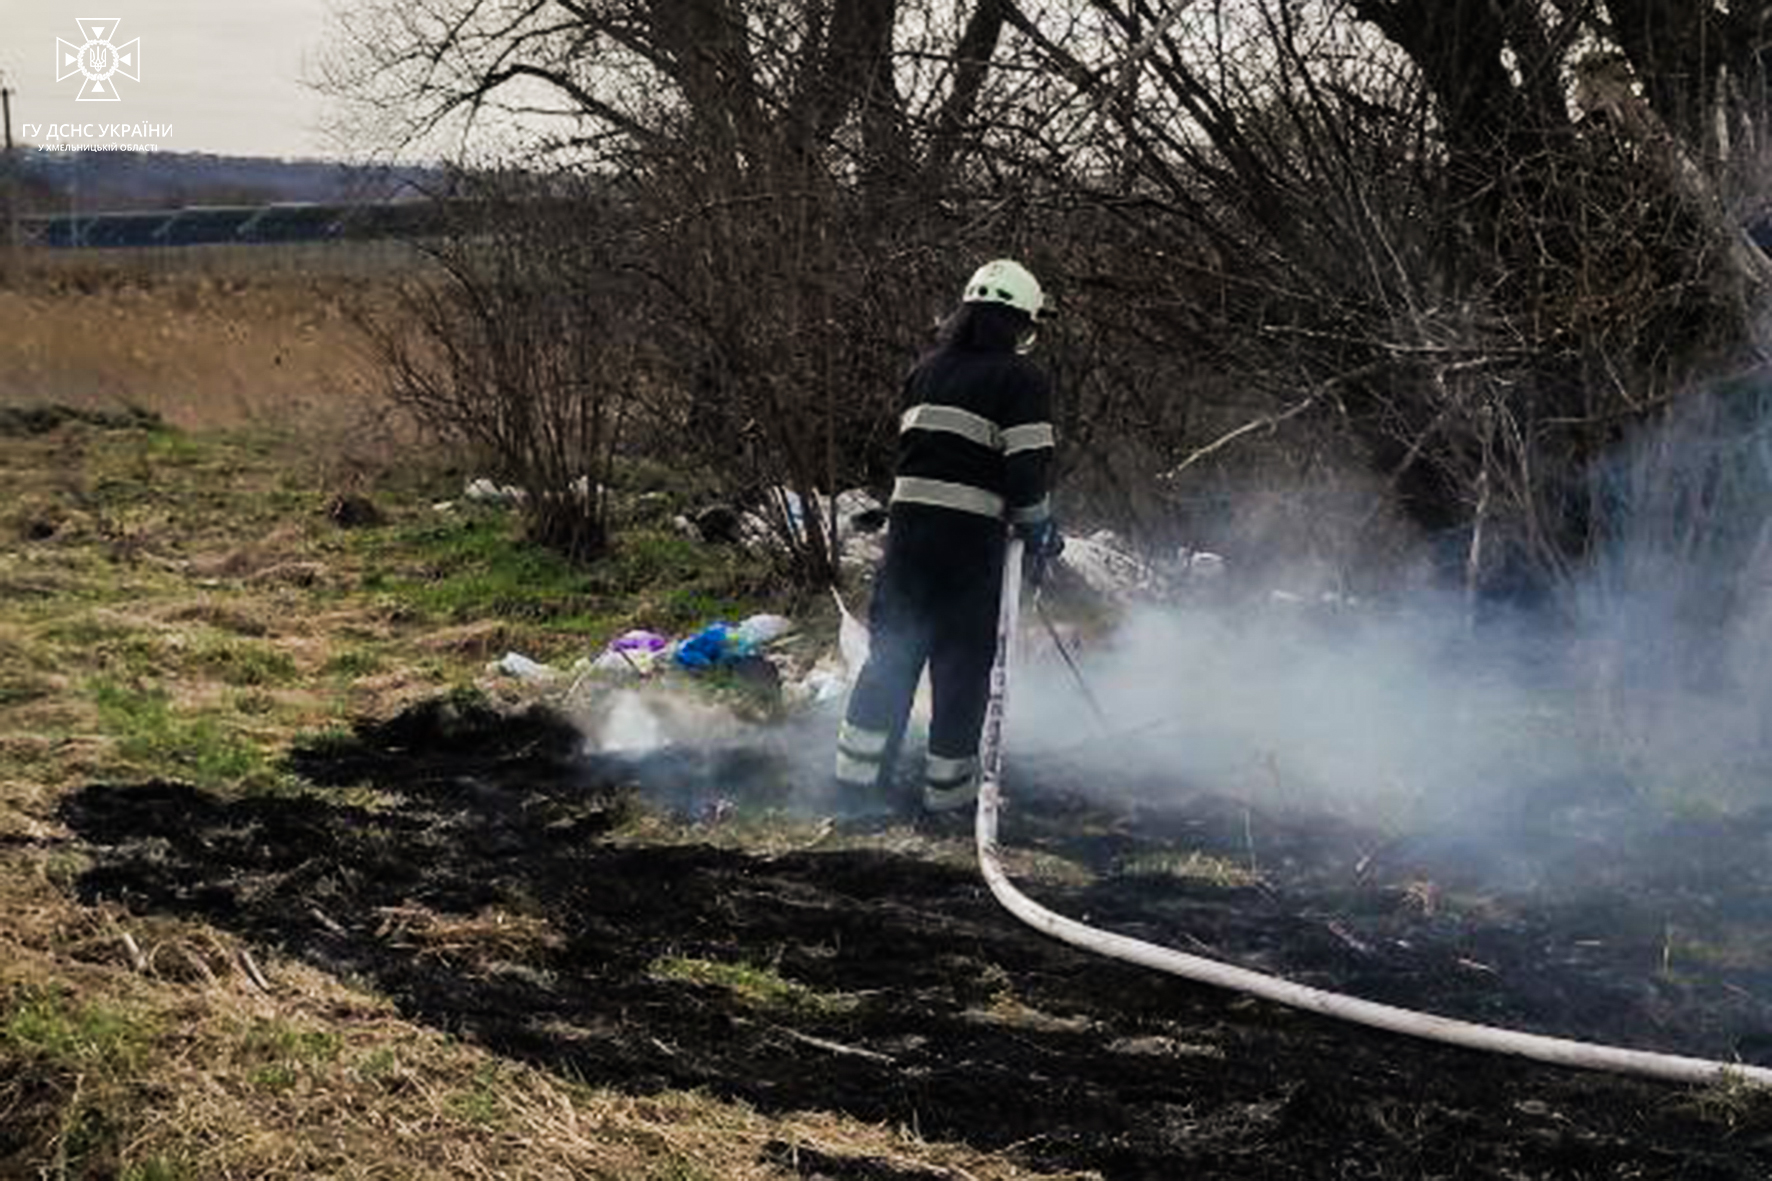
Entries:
{"x":1044,"y":544}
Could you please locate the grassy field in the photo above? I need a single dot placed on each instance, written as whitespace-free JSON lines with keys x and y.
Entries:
{"x":176,"y":603}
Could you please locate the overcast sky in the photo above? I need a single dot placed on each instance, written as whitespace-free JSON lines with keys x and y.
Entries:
{"x":223,"y":75}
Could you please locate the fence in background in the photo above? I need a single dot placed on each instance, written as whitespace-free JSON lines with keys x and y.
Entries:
{"x":366,"y":239}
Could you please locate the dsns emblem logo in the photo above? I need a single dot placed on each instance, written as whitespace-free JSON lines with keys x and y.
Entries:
{"x":98,"y":62}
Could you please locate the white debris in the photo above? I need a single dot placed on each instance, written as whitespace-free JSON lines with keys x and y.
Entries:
{"x":757,"y":631}
{"x":852,"y":640}
{"x":1202,"y":564}
{"x":858,"y":521}
{"x":1323,"y":598}
{"x":826,"y":682}
{"x":853,"y":645}
{"x":484,"y":491}
{"x":641,"y":719}
{"x":624,"y":662}
{"x":515,"y":664}
{"x":861,"y":552}
{"x":824,"y":685}
{"x":1109,"y":566}
{"x":858,"y":514}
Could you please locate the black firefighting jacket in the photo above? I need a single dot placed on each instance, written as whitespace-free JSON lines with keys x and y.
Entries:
{"x":976,"y":435}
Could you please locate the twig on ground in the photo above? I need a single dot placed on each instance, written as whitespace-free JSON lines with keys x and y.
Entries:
{"x":137,"y":960}
{"x":836,"y":1047}
{"x":325,"y":920}
{"x":252,"y":973}
{"x":196,"y":961}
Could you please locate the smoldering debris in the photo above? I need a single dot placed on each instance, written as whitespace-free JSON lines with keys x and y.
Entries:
{"x":692,"y":755}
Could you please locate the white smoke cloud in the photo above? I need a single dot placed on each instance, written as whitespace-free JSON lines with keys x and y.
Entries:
{"x":1646,"y":684}
{"x":1397,"y":718}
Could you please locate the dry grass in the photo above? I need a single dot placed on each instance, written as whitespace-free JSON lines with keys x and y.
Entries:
{"x":189,"y":1069}
{"x":177,"y":604}
{"x":200,"y":350}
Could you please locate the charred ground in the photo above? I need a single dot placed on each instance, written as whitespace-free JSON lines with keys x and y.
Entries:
{"x":461,"y":861}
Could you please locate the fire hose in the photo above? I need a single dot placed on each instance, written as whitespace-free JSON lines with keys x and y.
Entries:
{"x":1538,"y":1047}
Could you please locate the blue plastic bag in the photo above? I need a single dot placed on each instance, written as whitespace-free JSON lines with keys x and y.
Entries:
{"x":705,"y":648}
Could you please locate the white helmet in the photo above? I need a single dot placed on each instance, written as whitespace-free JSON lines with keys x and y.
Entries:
{"x":1005,"y":281}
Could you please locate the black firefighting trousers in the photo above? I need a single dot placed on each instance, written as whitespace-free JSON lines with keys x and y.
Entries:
{"x":935,"y":604}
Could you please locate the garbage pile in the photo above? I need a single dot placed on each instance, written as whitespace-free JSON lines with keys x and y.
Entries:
{"x":1114,"y":570}
{"x":749,"y":649}
{"x":752,"y":649}
{"x":854,"y":518}
{"x":723,"y":685}
{"x":639,"y":695}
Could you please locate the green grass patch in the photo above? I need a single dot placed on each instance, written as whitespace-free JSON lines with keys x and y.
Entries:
{"x":685,"y":583}
{"x":56,"y":582}
{"x":284,"y":1042}
{"x":1192,"y":866}
{"x":206,"y":483}
{"x":155,"y":1168}
{"x":17,"y":688}
{"x":156,"y":738}
{"x":479,"y":1103}
{"x":85,"y":1036}
{"x":175,"y":447}
{"x":120,"y":648}
{"x":475,"y":565}
{"x":273,"y":1076}
{"x":761,"y":987}
{"x":88,"y":632}
{"x":353,"y":662}
{"x":241,"y":662}
{"x":277,"y":1055}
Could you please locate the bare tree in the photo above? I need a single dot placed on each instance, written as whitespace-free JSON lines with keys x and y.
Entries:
{"x":1472,"y":241}
{"x":779,"y":168}
{"x":522,"y":344}
{"x":1397,"y":213}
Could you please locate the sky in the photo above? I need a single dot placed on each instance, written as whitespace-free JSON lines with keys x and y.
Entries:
{"x":217,"y":76}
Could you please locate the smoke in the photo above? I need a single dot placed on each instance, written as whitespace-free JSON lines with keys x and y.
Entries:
{"x":697,"y":756}
{"x":1643,"y":687}
{"x":1676,"y":616}
{"x":1396,"y":718}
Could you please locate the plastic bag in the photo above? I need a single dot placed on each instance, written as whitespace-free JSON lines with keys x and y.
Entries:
{"x":758,"y":630}
{"x":705,"y":648}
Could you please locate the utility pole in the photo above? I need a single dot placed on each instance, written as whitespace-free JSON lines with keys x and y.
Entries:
{"x":9,"y":174}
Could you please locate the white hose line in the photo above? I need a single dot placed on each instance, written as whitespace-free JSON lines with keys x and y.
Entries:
{"x":1558,"y":1051}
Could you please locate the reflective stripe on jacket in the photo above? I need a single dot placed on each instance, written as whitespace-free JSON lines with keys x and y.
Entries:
{"x":976,"y":435}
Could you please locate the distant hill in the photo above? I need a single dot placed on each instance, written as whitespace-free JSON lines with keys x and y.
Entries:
{"x":94,"y":182}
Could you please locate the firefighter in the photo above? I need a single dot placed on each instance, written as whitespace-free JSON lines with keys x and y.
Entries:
{"x":975,"y":450}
